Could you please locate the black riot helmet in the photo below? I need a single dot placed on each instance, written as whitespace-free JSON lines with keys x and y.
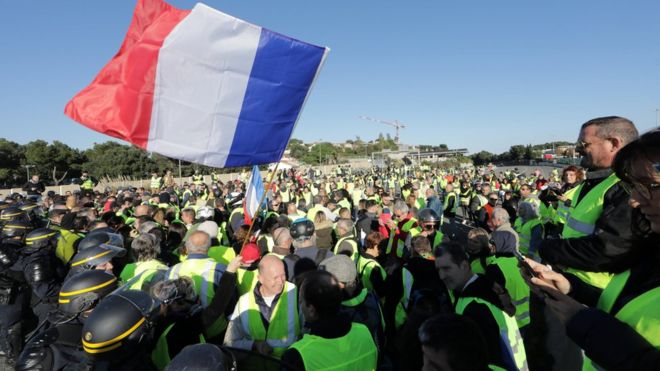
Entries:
{"x":120,"y":326}
{"x":98,"y":237}
{"x":16,"y":228}
{"x":89,"y":258}
{"x":84,"y":290}
{"x":426,"y":216}
{"x":203,"y":357}
{"x":302,"y":229}
{"x":39,"y":239}
{"x":12,"y":213}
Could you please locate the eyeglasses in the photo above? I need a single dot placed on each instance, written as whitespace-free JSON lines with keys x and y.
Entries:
{"x":646,"y":190}
{"x":584,"y":145}
{"x":493,"y":199}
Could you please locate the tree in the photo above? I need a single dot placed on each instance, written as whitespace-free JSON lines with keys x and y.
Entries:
{"x":517,"y":152}
{"x":482,"y":157}
{"x":11,"y":154}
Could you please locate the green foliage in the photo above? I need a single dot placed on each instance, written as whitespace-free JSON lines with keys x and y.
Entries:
{"x":483,"y":157}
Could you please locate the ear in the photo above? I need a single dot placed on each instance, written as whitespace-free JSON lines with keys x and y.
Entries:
{"x":617,"y":143}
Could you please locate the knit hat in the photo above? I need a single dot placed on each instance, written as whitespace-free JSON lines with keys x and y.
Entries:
{"x":341,"y":266}
{"x":210,"y":227}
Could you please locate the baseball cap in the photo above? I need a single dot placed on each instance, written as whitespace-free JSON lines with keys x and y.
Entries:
{"x":341,"y":266}
{"x":250,"y":253}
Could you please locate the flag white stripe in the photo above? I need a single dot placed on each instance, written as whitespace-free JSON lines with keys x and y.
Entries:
{"x":208,"y":56}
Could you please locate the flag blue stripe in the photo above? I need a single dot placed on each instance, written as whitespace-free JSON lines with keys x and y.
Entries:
{"x":281,"y":76}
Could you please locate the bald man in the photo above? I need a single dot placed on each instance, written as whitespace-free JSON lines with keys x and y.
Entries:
{"x":266,"y":319}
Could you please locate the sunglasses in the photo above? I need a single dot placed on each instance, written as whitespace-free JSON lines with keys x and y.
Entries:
{"x":644,"y":189}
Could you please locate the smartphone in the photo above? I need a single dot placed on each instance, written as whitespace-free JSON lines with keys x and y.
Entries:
{"x":524,"y":264}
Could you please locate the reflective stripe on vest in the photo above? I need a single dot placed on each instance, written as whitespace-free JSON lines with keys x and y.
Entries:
{"x":447,"y":197}
{"x":222,"y":254}
{"x":356,"y":253}
{"x":144,"y":271}
{"x":584,"y":212}
{"x":400,"y":238}
{"x":563,"y":208}
{"x":353,"y":351}
{"x":511,"y":342}
{"x":516,"y":286}
{"x":202,"y":272}
{"x":641,"y":313}
{"x":365,"y":267}
{"x":155,"y":182}
{"x":284,"y":324}
{"x":525,"y":233}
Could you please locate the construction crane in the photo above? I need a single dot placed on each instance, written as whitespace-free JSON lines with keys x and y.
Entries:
{"x":397,"y":125}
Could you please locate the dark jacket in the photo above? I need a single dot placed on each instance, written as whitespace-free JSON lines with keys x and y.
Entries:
{"x":611,"y":241}
{"x":34,"y":189}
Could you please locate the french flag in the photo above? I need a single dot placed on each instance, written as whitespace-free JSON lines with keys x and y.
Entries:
{"x":253,"y":194}
{"x":201,"y":86}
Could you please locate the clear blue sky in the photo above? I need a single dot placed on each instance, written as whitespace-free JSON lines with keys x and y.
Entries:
{"x":477,"y":74}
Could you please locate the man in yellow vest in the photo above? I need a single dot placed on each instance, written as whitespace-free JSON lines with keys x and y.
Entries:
{"x":87,"y":184}
{"x":619,"y":328}
{"x":347,"y":243}
{"x":598,"y":228}
{"x":155,"y":183}
{"x":205,"y":273}
{"x":334,"y":341}
{"x":479,"y":299}
{"x":266,"y":319}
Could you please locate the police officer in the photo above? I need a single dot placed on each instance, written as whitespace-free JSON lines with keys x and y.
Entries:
{"x":14,"y":294}
{"x":57,"y":344}
{"x":95,"y":257}
{"x":119,"y":332}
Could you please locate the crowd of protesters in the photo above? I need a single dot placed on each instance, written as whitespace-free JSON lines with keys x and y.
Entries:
{"x":403,"y":268}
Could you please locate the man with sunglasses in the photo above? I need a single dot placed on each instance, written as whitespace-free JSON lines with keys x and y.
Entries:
{"x":597,"y":230}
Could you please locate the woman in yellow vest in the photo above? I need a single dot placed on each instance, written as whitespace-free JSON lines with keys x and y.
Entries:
{"x":621,"y":327}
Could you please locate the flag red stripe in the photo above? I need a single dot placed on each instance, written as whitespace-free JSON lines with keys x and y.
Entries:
{"x":119,"y":101}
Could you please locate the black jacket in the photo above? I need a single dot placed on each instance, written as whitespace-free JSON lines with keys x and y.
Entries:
{"x":34,"y":189}
{"x":611,"y":241}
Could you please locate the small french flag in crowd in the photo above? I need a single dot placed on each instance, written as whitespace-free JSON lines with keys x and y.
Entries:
{"x":253,"y":193}
{"x":201,"y":86}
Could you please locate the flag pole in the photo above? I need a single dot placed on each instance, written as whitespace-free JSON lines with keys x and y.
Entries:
{"x":261,"y":201}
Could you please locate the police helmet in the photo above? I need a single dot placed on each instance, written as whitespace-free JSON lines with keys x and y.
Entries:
{"x":12,"y":213}
{"x":84,"y":290}
{"x":95,"y":238}
{"x":428,"y":215}
{"x":119,"y":326}
{"x":203,"y":357}
{"x":16,"y":228}
{"x":302,"y":229}
{"x":40,"y":238}
{"x":90,"y":257}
